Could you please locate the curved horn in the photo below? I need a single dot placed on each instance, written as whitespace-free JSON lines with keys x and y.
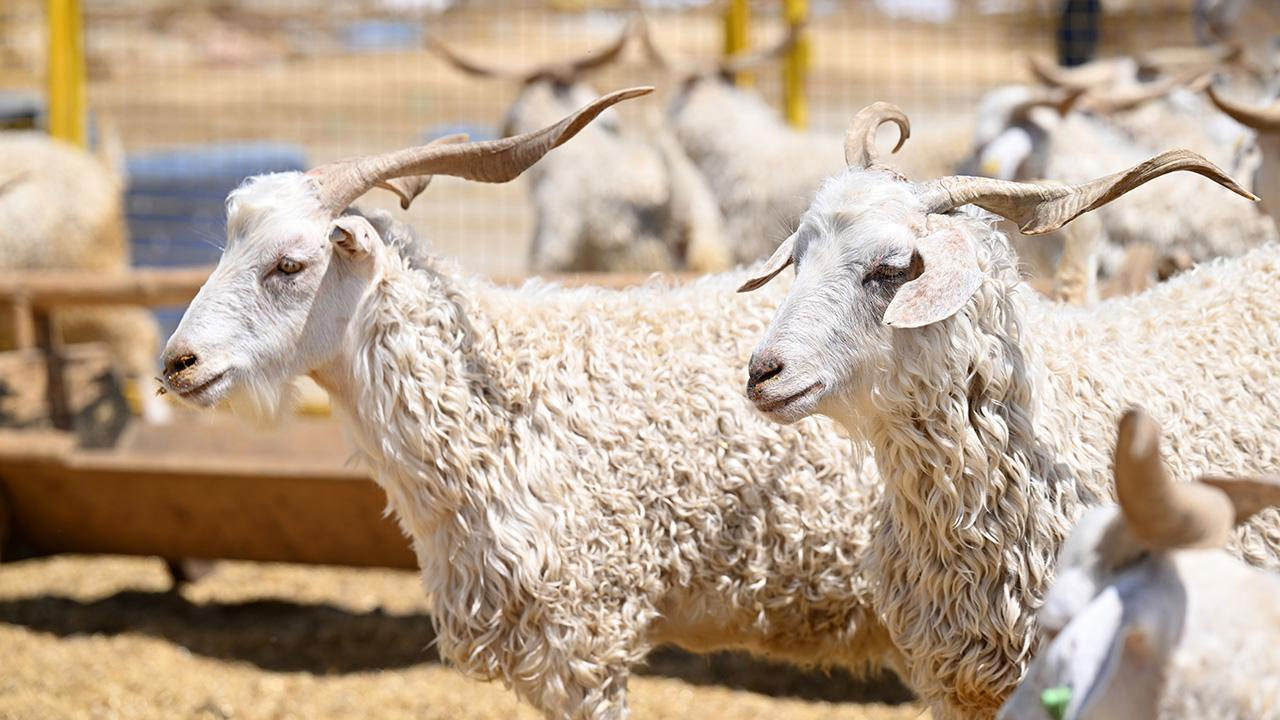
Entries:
{"x":749,"y":59}
{"x":1127,"y":98}
{"x":1161,"y":513}
{"x":1249,"y":496}
{"x":1261,"y":119}
{"x":408,"y":188}
{"x":666,"y":62}
{"x":495,"y":161}
{"x":1040,"y":209}
{"x":1083,"y":77}
{"x":1164,"y":59}
{"x":562,"y":69}
{"x":860,"y":139}
{"x":472,"y":67}
{"x":601,"y":56}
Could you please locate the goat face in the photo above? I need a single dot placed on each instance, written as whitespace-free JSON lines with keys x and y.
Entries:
{"x":855,"y":248}
{"x":279,"y":300}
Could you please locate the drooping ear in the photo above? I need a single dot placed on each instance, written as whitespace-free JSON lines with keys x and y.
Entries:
{"x":353,"y":235}
{"x":950,"y":277}
{"x":776,"y":263}
{"x":1100,"y":665}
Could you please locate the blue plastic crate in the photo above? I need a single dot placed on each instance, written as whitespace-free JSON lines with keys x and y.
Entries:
{"x":175,"y":201}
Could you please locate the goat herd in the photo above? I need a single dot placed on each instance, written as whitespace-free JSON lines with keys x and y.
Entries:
{"x":582,"y":478}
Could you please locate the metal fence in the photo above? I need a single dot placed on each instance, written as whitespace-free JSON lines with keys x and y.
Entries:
{"x":202,"y":92}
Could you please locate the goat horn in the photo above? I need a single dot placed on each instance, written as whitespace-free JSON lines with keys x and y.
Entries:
{"x":1161,"y":513}
{"x":561,"y":70}
{"x":666,"y":62}
{"x":1083,"y":77}
{"x":408,"y":188}
{"x":1162,"y":59}
{"x":1039,"y":209}
{"x":472,"y":67}
{"x":1249,"y":496}
{"x":1106,"y":102}
{"x":740,"y":62}
{"x":494,"y":161}
{"x":860,"y":138}
{"x":1261,"y":119}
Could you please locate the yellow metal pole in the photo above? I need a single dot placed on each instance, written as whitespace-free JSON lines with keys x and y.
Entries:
{"x":737,"y":34}
{"x":795,"y":67}
{"x":67,"y":100}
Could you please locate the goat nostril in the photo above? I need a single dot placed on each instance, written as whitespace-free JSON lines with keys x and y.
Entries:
{"x":182,"y":362}
{"x":765,"y":370}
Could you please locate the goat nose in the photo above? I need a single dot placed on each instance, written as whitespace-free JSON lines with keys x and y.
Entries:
{"x":764,"y":366}
{"x":178,"y":361}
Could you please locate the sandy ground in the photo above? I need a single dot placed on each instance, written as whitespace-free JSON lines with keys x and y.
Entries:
{"x":106,"y":637}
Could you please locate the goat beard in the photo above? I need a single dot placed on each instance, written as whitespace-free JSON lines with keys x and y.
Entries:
{"x":263,"y":400}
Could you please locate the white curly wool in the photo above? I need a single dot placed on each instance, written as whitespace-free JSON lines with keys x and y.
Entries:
{"x":582,"y":480}
{"x":993,"y":427}
{"x":1013,"y":453}
{"x":62,"y":209}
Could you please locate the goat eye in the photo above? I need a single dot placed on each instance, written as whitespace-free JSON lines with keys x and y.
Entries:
{"x":288,"y":266}
{"x":885,"y":273}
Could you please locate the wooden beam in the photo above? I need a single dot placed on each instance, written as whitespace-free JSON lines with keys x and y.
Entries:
{"x":104,"y":502}
{"x":49,"y":289}
{"x":22,"y":321}
{"x":55,"y":361}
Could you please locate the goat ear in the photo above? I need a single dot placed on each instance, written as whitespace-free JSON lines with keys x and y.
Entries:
{"x":950,"y":277}
{"x":776,"y":263}
{"x":353,"y":235}
{"x":1099,"y":665}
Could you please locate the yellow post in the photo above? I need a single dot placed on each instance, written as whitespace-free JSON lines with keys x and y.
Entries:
{"x":737,"y":34}
{"x":67,"y":100}
{"x":795,"y":67}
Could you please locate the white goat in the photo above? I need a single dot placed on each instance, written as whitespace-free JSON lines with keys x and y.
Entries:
{"x":762,"y":171}
{"x":1019,"y":136}
{"x":1147,"y":617}
{"x":579,"y":476}
{"x":647,"y":210}
{"x":990,"y":408}
{"x":62,"y":209}
{"x":1265,"y":121}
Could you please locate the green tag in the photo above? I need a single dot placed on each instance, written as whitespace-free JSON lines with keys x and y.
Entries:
{"x":1055,"y":701}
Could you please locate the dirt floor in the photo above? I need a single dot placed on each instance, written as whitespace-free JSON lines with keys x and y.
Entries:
{"x":107,"y":637}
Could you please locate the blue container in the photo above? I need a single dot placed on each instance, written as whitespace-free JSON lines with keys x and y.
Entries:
{"x":175,"y":202}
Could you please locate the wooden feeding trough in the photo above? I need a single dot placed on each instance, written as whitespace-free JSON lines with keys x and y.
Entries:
{"x":204,"y":486}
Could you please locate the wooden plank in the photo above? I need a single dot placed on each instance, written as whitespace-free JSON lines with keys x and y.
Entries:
{"x":46,"y":289}
{"x":94,"y":502}
{"x":55,"y":362}
{"x":22,"y":320}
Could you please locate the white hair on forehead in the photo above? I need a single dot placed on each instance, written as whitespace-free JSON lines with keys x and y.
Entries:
{"x":257,"y":201}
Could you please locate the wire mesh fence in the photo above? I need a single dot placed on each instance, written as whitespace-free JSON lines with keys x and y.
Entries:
{"x":202,"y":93}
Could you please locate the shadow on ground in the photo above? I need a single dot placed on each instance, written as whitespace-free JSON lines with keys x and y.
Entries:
{"x":284,"y":636}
